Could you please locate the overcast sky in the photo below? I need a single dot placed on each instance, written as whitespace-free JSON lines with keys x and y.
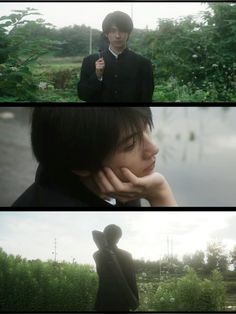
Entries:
{"x":32,"y":234}
{"x":92,"y":14}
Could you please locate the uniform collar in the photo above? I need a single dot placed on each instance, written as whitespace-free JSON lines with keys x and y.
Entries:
{"x":120,"y":54}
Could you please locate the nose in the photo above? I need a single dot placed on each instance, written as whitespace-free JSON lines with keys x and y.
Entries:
{"x":151,"y":149}
{"x":117,"y":34}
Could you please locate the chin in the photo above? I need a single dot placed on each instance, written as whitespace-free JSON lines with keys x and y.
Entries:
{"x":147,"y":173}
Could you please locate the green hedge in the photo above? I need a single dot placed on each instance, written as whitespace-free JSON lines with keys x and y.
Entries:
{"x":45,"y":286}
{"x":189,"y":293}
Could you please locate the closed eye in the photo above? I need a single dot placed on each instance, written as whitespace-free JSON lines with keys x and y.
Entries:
{"x":131,"y":146}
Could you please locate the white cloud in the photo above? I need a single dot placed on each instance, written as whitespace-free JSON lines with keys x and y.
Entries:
{"x":145,"y":234}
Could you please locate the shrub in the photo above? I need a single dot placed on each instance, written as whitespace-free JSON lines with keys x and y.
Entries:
{"x":190,"y":293}
{"x":16,"y":79}
{"x":45,"y":286}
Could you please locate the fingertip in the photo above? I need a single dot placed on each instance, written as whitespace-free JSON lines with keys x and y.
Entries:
{"x":126,"y":170}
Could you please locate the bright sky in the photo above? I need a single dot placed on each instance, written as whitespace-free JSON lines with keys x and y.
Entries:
{"x":31,"y":234}
{"x":92,"y":14}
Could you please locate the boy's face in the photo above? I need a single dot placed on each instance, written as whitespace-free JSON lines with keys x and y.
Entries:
{"x":117,"y":38}
{"x":139,"y":156}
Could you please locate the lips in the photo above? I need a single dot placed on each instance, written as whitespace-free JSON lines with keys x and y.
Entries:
{"x":151,"y":167}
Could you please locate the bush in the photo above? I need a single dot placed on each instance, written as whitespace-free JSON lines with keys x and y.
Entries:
{"x":190,"y":293}
{"x":16,"y":80}
{"x":173,"y":91}
{"x":45,"y":286}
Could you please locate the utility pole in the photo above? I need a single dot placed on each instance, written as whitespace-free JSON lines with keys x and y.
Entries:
{"x":168,"y":251}
{"x":160,"y":268}
{"x":90,"y":40}
{"x":172,"y":254}
{"x":55,"y":250}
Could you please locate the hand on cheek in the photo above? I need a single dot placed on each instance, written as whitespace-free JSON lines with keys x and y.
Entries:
{"x":153,"y":187}
{"x":112,"y":186}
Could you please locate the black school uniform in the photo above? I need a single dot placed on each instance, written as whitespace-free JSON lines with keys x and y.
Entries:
{"x":127,"y":78}
{"x":110,"y":296}
{"x":64,"y":192}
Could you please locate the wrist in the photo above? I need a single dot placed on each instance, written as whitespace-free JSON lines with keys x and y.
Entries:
{"x":161,"y":194}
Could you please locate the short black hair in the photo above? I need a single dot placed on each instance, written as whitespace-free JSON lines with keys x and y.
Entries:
{"x":80,"y":138}
{"x":119,"y":19}
{"x":113,"y":234}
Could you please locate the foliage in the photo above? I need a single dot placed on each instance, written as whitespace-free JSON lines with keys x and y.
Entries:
{"x":173,"y":91}
{"x":51,"y":286}
{"x":216,"y":257}
{"x":203,"y":263}
{"x":23,"y":42}
{"x":198,"y":55}
{"x":233,"y":257}
{"x":74,"y":40}
{"x":196,"y":261}
{"x":193,"y":58}
{"x":45,"y":286}
{"x":189,"y":293}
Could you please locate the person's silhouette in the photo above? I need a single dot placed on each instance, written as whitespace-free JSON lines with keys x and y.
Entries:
{"x":117,"y":289}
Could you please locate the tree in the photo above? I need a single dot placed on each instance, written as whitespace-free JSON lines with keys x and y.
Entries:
{"x":74,"y":40}
{"x":233,"y":257}
{"x":216,"y":257}
{"x":195,"y":261}
{"x":21,"y":45}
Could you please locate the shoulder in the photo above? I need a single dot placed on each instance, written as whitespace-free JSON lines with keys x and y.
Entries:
{"x":27,"y":198}
{"x":124,"y":253}
{"x":43,"y":196}
{"x":138,"y":57}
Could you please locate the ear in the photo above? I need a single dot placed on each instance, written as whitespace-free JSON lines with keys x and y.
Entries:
{"x":82,"y":173}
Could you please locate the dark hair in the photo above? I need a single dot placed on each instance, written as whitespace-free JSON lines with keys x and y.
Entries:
{"x":80,"y":138}
{"x":113,"y":234}
{"x":119,"y":19}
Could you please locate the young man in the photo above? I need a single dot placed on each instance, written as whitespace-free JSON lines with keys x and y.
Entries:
{"x":94,"y":156}
{"x":117,"y":74}
{"x":117,"y":290}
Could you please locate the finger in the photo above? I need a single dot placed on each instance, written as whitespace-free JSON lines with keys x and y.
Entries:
{"x":99,"y":184}
{"x":100,"y":61}
{"x":114,"y":180}
{"x":99,"y":66}
{"x":107,"y":187}
{"x":130,"y":176}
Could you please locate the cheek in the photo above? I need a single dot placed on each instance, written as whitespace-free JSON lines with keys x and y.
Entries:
{"x":132,"y":162}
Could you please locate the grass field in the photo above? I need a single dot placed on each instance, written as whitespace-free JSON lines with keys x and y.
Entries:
{"x":49,"y":63}
{"x":57,"y":78}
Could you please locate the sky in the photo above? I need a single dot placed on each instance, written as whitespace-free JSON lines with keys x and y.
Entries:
{"x":31,"y":234}
{"x":144,"y":14}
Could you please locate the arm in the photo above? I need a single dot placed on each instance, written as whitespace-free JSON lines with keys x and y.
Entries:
{"x":89,"y":85}
{"x":154,"y":187}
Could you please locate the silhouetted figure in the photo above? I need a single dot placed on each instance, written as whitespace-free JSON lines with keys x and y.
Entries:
{"x":117,"y":289}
